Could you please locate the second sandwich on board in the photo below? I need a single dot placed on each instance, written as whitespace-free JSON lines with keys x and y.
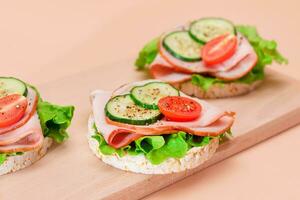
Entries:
{"x":150,"y":127}
{"x":210,"y":58}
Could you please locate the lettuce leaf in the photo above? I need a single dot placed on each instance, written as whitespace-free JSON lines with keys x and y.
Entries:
{"x":265,"y":49}
{"x":197,"y":141}
{"x":155,"y":148}
{"x":2,"y":158}
{"x":148,"y":143}
{"x":205,"y":82}
{"x":175,"y":147}
{"x":147,"y":54}
{"x":55,"y":120}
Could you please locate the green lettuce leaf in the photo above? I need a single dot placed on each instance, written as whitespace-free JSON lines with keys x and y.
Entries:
{"x":2,"y":158}
{"x":55,"y":120}
{"x":147,"y":54}
{"x":148,"y":143}
{"x":205,"y":82}
{"x":265,"y":49}
{"x":225,"y":137}
{"x":197,"y":141}
{"x":155,"y":148}
{"x":175,"y":147}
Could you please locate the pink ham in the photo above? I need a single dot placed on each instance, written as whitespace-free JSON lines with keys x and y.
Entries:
{"x":162,"y":70}
{"x":32,"y":99}
{"x":243,"y":49}
{"x":240,"y":70}
{"x":26,"y":138}
{"x":216,"y":128}
{"x":213,"y":121}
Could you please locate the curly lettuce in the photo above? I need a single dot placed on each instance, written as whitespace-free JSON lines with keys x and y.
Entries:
{"x":3,"y":158}
{"x":55,"y":120}
{"x":147,"y":54}
{"x":205,"y":82}
{"x":157,"y":148}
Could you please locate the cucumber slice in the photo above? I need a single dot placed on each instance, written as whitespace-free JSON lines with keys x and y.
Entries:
{"x":9,"y":85}
{"x":182,"y":46}
{"x":123,"y":109}
{"x":203,"y":30}
{"x":148,"y":95}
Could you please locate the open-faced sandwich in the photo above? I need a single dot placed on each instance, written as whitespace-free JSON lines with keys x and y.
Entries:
{"x":28,"y":125}
{"x":150,"y":127}
{"x":210,"y":58}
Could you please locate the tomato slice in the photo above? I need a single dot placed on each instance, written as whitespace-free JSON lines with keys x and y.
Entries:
{"x":12,"y":109}
{"x":176,"y":108}
{"x":219,"y":49}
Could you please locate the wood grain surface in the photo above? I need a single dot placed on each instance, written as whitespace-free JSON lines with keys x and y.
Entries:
{"x":43,"y":41}
{"x":71,"y":171}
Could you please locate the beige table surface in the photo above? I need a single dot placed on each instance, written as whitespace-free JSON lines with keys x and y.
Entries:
{"x":42,"y":41}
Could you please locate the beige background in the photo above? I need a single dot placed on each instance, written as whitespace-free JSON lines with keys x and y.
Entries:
{"x":42,"y":41}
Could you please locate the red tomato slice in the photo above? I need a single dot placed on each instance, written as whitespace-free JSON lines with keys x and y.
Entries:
{"x":219,"y":49}
{"x":12,"y":109}
{"x":180,"y":109}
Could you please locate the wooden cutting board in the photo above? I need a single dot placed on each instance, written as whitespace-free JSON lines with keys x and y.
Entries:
{"x":71,"y":171}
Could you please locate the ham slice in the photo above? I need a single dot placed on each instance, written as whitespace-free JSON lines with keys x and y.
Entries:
{"x":32,"y":100}
{"x":212,"y":121}
{"x":240,"y":70}
{"x":26,"y":138}
{"x":162,"y":70}
{"x":159,"y":128}
{"x":243,"y":49}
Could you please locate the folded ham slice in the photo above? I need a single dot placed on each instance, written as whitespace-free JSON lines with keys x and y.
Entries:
{"x":161,"y":127}
{"x":212,"y":121}
{"x":240,"y":70}
{"x":26,"y":138}
{"x":162,"y":70}
{"x":32,"y":99}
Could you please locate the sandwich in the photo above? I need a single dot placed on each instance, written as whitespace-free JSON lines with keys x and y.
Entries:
{"x":150,"y":127}
{"x":28,"y":124}
{"x":210,"y":58}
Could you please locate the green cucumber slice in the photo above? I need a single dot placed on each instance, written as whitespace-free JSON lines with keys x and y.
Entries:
{"x":148,"y":95}
{"x":203,"y":30}
{"x":9,"y":85}
{"x":123,"y":109}
{"x":182,"y":46}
